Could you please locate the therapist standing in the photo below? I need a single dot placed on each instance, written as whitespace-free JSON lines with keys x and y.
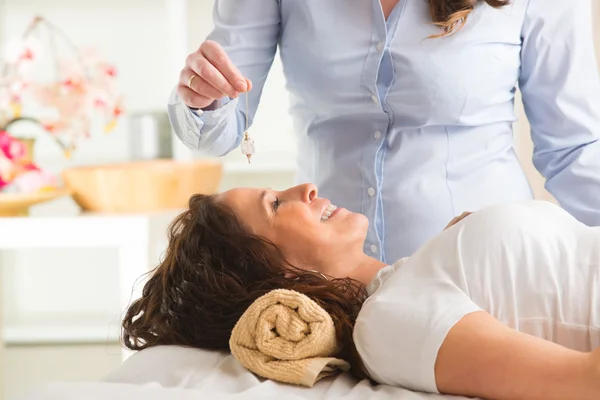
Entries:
{"x":403,"y":110}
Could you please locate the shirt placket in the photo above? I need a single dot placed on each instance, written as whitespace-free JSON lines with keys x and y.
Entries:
{"x":370,"y":180}
{"x":378,"y":81}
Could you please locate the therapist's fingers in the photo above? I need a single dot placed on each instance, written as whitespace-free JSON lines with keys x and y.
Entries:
{"x":217,"y":57}
{"x":200,"y":85}
{"x":455,"y":220}
{"x":191,"y":98}
{"x":200,"y":66}
{"x":452,"y":222}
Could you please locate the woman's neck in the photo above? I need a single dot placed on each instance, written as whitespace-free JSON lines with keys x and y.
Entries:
{"x":365,"y":268}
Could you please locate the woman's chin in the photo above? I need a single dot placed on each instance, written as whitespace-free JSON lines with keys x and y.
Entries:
{"x":355,"y":228}
{"x":360,"y":222}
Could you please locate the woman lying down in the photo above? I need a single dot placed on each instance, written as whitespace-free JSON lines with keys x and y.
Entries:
{"x":504,"y":304}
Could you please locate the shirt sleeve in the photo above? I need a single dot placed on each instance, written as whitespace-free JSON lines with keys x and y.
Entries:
{"x":402,"y":326}
{"x":561,"y":94}
{"x":248,"y":30}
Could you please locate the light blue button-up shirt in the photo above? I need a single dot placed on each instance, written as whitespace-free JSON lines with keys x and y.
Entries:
{"x":409,"y":130}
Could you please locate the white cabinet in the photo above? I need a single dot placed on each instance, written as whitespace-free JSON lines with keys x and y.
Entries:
{"x":139,"y":241}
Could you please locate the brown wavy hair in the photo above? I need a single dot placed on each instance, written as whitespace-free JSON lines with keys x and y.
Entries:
{"x":451,"y":15}
{"x":213,"y":270}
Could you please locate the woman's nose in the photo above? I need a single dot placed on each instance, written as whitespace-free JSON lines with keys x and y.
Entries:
{"x":307,"y":192}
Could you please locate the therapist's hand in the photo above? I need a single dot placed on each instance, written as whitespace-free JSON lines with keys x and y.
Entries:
{"x":456,"y":220}
{"x":208,"y":76}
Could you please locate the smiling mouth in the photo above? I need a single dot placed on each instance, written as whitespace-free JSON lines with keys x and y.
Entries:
{"x":328,"y":212}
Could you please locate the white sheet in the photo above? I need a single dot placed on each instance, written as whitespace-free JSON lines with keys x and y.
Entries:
{"x":169,"y":372}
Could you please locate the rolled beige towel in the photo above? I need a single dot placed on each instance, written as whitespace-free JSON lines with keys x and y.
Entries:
{"x":287,"y":337}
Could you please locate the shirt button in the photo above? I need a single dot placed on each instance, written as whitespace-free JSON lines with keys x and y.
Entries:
{"x":377,"y":135}
{"x":373,"y":248}
{"x":374,"y":98}
{"x":371,"y":192}
{"x":379,"y":46}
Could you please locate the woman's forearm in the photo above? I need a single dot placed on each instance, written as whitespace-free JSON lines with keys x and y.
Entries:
{"x":481,"y":357}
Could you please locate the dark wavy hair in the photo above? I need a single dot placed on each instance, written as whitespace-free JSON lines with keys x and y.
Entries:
{"x":451,"y":15}
{"x":213,"y":270}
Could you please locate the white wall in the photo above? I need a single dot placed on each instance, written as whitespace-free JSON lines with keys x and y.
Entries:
{"x":45,"y":288}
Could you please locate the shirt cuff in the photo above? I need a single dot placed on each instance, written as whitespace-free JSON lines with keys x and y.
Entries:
{"x":215,"y":135}
{"x":198,"y":112}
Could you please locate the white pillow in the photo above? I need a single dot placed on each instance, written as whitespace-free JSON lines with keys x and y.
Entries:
{"x":169,"y":366}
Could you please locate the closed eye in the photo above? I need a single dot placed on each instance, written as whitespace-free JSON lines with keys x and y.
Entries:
{"x":275,"y":204}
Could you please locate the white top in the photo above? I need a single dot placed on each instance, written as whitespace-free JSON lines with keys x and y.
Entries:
{"x":530,"y":264}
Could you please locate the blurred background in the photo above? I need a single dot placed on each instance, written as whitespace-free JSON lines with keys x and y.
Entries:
{"x":61,"y":304}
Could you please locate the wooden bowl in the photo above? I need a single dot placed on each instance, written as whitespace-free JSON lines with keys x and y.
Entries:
{"x":141,"y":186}
{"x":18,"y":204}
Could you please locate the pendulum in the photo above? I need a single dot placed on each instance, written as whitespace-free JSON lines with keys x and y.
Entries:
{"x":247,"y":145}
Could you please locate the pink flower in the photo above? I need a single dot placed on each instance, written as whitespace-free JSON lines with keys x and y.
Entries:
{"x":17,"y":50}
{"x":16,"y":150}
{"x":26,"y":177}
{"x":7,"y":170}
{"x":16,"y":90}
{"x":100,"y":102}
{"x":72,"y":82}
{"x":110,"y":70}
{"x":34,"y":180}
{"x":27,"y":54}
{"x":11,"y":148}
{"x":118,"y":109}
{"x":30,"y":167}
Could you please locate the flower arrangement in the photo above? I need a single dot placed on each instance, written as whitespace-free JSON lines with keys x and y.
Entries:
{"x":64,"y":96}
{"x":18,"y":174}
